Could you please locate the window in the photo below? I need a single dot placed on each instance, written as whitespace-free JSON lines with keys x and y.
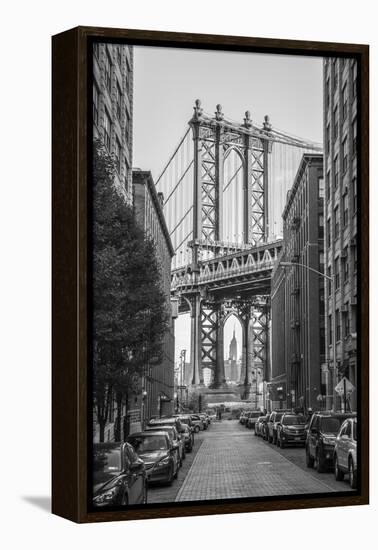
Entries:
{"x":336,"y":172}
{"x":338,"y":326}
{"x":321,"y":226}
{"x":107,"y":129}
{"x":337,"y":273}
{"x":330,"y":331}
{"x":117,"y":155}
{"x":335,"y":122}
{"x":345,"y":101}
{"x":328,"y":233}
{"x":108,"y":71}
{"x":354,"y":191}
{"x":118,"y":94}
{"x":328,"y":190}
{"x":345,"y":265}
{"x":329,"y":281}
{"x":336,"y":223}
{"x":355,"y":257}
{"x":344,"y":152}
{"x":328,"y":139}
{"x":345,"y":210}
{"x":354,"y":137}
{"x":321,"y":188}
{"x":346,"y":322}
{"x":354,"y":78}
{"x":96,"y":103}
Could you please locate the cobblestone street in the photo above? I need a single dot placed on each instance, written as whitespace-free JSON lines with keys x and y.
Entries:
{"x":230,"y":462}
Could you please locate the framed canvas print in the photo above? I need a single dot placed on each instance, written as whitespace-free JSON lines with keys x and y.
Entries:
{"x":210,"y":274}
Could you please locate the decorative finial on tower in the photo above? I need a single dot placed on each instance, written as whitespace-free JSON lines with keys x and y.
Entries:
{"x":266,"y":124}
{"x":218,"y":113}
{"x":247,"y":120}
{"x":197,"y":110}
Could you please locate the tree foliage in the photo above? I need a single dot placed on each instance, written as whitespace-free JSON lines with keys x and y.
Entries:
{"x":130,"y":313}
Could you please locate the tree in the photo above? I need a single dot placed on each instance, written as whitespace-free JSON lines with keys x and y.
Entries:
{"x":130,"y":314}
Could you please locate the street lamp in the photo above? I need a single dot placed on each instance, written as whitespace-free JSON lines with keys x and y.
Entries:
{"x":332,"y":279}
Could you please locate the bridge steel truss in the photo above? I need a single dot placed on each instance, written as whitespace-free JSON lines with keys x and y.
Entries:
{"x":221,"y":277}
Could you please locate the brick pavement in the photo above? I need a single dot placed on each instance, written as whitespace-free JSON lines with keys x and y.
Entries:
{"x":233,"y":463}
{"x":168,"y":493}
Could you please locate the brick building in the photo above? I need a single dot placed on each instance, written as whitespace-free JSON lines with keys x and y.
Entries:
{"x":112,"y":112}
{"x":158,"y":381}
{"x":113,"y":108}
{"x":298,"y":327}
{"x":340,"y":169}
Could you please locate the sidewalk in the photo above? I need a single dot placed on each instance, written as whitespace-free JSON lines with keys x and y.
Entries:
{"x":233,"y":463}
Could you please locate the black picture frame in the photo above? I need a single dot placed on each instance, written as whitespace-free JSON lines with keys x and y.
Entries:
{"x":71,"y":58}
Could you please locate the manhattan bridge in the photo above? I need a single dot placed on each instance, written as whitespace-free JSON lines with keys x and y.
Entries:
{"x":224,"y":190}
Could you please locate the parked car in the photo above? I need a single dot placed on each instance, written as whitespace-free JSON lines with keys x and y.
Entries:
{"x":119,"y":475}
{"x":188,"y":438}
{"x":205,"y":420}
{"x":158,"y":454}
{"x":321,"y":437}
{"x":264,"y":426}
{"x":167,"y":421}
{"x":198,"y":423}
{"x":291,"y":430}
{"x":176,"y":439}
{"x":274,"y":418}
{"x":243,"y":417}
{"x":345,"y":452}
{"x":258,"y":425}
{"x":251,"y":419}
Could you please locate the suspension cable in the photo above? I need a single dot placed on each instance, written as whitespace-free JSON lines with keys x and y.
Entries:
{"x":173,"y":155}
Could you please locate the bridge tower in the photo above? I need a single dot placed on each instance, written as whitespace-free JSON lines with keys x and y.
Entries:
{"x":227,"y":155}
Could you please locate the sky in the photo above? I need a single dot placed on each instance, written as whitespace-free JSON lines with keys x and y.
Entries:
{"x":167,"y":81}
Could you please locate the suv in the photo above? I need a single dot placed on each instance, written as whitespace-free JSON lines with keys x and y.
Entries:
{"x":271,"y":427}
{"x":345,"y":453}
{"x":291,"y":429}
{"x":321,"y":438}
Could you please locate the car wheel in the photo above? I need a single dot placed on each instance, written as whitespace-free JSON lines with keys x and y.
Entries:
{"x":125,"y":499}
{"x":339,"y":475}
{"x":145,"y":493}
{"x":196,"y":429}
{"x":352,"y":475}
{"x":318,"y":463}
{"x":309,"y":459}
{"x":171,"y":475}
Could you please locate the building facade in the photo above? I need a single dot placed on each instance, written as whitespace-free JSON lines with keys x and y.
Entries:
{"x":112,"y":101}
{"x":298,"y":325}
{"x":340,"y":171}
{"x":112,"y":112}
{"x":159,"y":380}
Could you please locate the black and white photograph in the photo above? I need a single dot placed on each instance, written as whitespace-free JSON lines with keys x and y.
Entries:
{"x":225,"y":275}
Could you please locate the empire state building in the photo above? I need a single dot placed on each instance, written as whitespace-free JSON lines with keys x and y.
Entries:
{"x":232,"y":357}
